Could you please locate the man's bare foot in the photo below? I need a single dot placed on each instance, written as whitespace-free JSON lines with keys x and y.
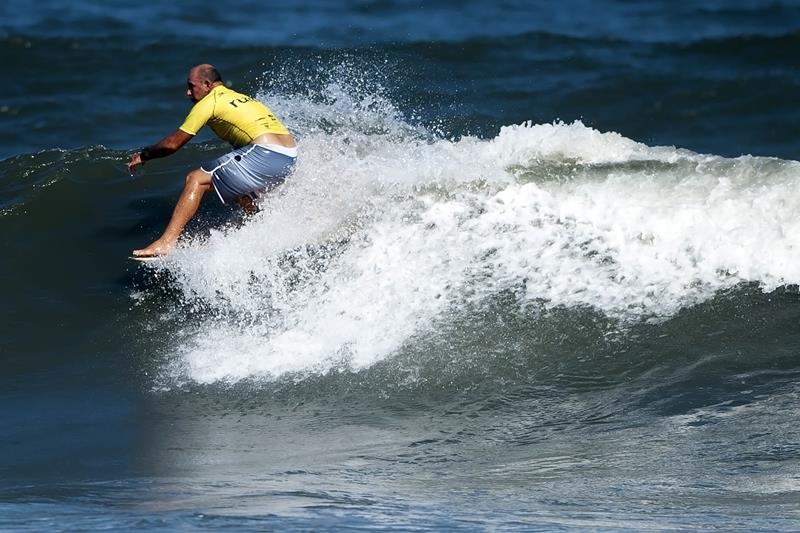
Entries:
{"x":154,"y":250}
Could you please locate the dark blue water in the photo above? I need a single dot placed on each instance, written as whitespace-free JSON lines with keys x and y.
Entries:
{"x":537,"y":269}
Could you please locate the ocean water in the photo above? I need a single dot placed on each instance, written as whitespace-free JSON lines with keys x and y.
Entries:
{"x":537,"y":270}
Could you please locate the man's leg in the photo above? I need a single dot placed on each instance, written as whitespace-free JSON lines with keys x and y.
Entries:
{"x":247,"y":204}
{"x":197,"y":184}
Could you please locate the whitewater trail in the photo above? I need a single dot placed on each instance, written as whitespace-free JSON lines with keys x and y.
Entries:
{"x":386,"y":228}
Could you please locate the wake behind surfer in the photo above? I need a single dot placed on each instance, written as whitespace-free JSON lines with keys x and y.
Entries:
{"x":264,"y":152}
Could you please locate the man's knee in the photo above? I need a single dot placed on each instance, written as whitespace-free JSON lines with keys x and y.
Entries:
{"x":198,"y":178}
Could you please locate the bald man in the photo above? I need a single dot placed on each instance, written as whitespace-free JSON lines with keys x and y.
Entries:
{"x":264,"y":152}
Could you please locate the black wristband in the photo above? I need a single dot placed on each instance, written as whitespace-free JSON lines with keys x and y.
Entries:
{"x":143,"y":154}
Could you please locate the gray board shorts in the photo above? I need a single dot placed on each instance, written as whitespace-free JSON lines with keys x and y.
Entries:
{"x":250,"y":170}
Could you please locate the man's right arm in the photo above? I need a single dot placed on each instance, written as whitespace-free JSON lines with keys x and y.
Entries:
{"x":166,"y":146}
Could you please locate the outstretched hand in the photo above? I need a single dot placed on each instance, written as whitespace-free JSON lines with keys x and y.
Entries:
{"x":135,"y":162}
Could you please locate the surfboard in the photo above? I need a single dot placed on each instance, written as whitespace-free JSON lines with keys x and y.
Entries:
{"x":146,"y":258}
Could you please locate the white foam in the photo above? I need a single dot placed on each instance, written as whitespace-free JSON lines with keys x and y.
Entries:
{"x":559,"y":214}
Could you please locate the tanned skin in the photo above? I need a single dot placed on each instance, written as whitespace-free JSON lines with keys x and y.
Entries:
{"x":201,"y":80}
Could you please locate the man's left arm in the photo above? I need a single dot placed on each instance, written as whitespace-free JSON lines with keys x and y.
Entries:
{"x":166,"y":146}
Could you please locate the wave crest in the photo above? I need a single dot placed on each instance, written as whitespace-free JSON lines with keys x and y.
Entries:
{"x":382,"y":234}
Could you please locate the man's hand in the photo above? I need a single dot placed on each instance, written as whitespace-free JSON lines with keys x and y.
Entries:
{"x":166,"y":146}
{"x":135,"y":162}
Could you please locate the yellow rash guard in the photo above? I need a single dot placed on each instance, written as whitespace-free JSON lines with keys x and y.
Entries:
{"x":234,"y":117}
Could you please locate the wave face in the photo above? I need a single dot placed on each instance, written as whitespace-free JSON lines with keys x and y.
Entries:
{"x":387,"y":232}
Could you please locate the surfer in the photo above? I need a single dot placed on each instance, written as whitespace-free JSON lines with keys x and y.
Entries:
{"x":263,"y":156}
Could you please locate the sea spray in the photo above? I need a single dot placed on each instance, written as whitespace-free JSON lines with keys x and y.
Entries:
{"x":383,"y":231}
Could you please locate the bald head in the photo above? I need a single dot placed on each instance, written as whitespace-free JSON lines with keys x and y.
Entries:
{"x":206,"y":72}
{"x":201,"y":81}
